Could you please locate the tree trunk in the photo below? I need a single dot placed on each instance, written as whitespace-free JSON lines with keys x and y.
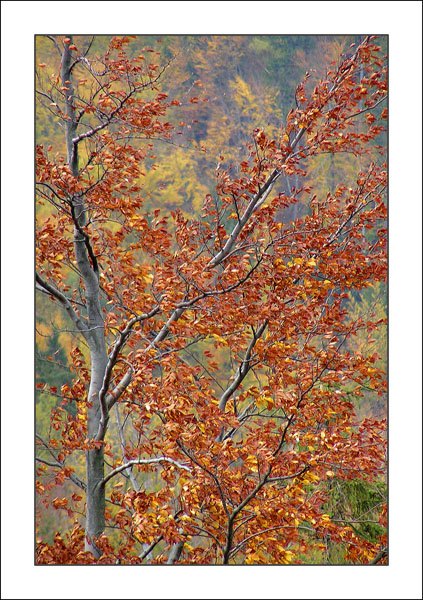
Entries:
{"x":175,"y":553}
{"x":95,"y":517}
{"x":95,"y":520}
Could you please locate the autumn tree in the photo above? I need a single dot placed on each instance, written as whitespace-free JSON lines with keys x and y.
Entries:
{"x":213,"y":384}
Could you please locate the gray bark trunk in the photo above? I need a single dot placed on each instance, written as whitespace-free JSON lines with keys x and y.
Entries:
{"x":175,"y":553}
{"x":95,"y":519}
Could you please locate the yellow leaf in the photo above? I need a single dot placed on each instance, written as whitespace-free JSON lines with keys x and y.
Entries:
{"x":220,"y":339}
{"x":270,"y":402}
{"x":286,"y":555}
{"x":251,"y":461}
{"x":265,"y":401}
{"x":249,"y":560}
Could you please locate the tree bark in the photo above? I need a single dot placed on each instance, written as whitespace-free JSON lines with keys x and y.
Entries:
{"x":95,"y":518}
{"x":175,"y":553}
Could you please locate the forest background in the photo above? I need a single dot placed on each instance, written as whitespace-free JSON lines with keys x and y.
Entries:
{"x":244,"y":97}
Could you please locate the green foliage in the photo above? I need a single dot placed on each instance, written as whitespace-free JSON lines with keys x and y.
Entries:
{"x":357,"y":504}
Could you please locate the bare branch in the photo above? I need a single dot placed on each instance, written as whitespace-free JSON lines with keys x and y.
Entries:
{"x":286,"y":477}
{"x":366,"y":109}
{"x":107,"y":401}
{"x":243,"y":368}
{"x":52,"y":291}
{"x":55,"y":42}
{"x":144,"y":461}
{"x":60,"y":466}
{"x":113,"y":113}
{"x":122,"y":445}
{"x":252,"y":206}
{"x":57,"y":463}
{"x":237,"y":510}
{"x":255,"y":202}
